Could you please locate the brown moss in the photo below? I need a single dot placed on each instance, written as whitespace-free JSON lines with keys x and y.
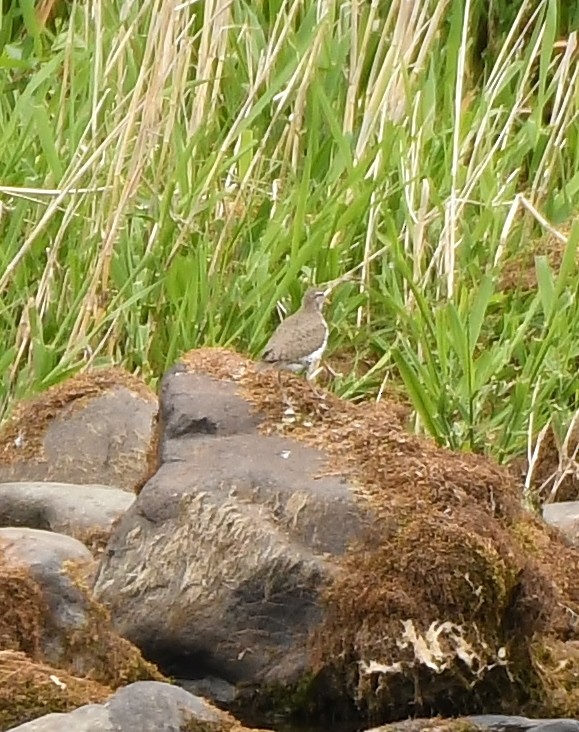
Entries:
{"x":33,"y":416}
{"x":95,"y":538}
{"x":25,"y":621}
{"x":29,"y":689}
{"x":561,"y":563}
{"x":449,"y":549}
{"x":557,"y":664}
{"x":23,"y":610}
{"x":116,"y":661}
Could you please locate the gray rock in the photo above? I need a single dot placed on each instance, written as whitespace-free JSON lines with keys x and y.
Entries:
{"x":564,"y":516}
{"x":146,"y":706}
{"x":62,"y":507}
{"x":90,"y":718}
{"x":502,"y":722}
{"x":189,"y":408}
{"x":209,"y":687}
{"x":498,"y":722}
{"x":43,"y":554}
{"x":219,"y":562}
{"x":107,"y":438}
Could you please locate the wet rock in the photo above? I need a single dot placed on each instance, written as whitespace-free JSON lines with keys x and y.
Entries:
{"x":80,"y":511}
{"x":147,"y":706}
{"x":220,"y":561}
{"x":97,"y":427}
{"x":48,"y":613}
{"x":565,"y":517}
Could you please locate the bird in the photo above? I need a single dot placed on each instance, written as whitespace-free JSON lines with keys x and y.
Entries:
{"x":301,"y":339}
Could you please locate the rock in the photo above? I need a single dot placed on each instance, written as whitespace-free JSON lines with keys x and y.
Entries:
{"x":28,"y":690}
{"x":188,"y":408}
{"x":316,"y":555}
{"x":146,"y":706}
{"x":220,"y":561}
{"x":500,"y":723}
{"x":212,"y":688}
{"x":48,"y":613}
{"x":105,"y":418}
{"x":81,"y":511}
{"x":565,"y":517}
{"x":428,"y":725}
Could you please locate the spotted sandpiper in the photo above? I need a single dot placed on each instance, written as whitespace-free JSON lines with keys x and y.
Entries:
{"x":300,"y":340}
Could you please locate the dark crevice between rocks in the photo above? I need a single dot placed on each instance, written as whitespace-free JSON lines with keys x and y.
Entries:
{"x":185,"y":425}
{"x":307,"y":706}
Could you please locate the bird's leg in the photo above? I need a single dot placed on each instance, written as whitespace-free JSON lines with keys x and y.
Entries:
{"x":284,"y":397}
{"x":311,"y":374}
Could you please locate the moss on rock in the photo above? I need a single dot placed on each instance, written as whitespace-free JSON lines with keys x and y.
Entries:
{"x":438,"y":607}
{"x":114,"y":660}
{"x":93,"y":650}
{"x":30,"y":689}
{"x":23,"y":610}
{"x":35,"y":414}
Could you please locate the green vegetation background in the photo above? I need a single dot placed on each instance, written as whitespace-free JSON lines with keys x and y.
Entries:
{"x":169,"y":171}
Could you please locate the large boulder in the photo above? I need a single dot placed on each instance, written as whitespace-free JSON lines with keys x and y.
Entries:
{"x":220,"y":561}
{"x":49,"y":614}
{"x":146,"y":706}
{"x":97,"y":427}
{"x":292,"y":538}
{"x":85,"y":512}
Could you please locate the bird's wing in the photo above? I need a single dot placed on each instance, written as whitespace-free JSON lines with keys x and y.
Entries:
{"x":277,"y":348}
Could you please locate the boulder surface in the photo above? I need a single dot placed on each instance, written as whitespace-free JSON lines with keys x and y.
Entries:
{"x":49,"y":614}
{"x":97,"y":427}
{"x":315,"y":554}
{"x":220,"y":561}
{"x":146,"y":706}
{"x":85,"y":512}
{"x":565,"y":517}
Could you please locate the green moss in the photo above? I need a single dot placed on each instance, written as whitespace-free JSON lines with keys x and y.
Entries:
{"x":312,"y":698}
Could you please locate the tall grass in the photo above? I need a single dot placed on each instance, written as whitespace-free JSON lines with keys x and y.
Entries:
{"x":169,"y":171}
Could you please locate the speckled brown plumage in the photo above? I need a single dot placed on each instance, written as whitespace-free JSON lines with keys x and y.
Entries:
{"x":300,"y":340}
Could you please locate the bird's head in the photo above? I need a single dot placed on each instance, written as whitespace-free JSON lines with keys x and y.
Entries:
{"x":314,"y":297}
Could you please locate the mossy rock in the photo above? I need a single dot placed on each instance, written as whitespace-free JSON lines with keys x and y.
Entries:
{"x":92,"y":649}
{"x":439,"y":608}
{"x":107,"y":420}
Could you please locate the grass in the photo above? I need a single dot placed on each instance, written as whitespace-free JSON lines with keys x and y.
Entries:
{"x":169,"y":171}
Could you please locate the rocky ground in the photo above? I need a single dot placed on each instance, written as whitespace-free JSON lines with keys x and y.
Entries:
{"x":277,"y":553}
